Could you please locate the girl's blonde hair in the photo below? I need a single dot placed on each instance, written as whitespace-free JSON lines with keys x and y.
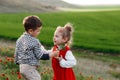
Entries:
{"x":66,"y":31}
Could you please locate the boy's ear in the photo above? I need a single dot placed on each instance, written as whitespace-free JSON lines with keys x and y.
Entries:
{"x":30,"y":31}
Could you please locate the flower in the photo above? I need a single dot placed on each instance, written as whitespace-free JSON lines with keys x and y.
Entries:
{"x":19,"y":75}
{"x":2,"y":74}
{"x":100,"y":78}
{"x":0,"y":60}
{"x":8,"y":58}
{"x":7,"y":78}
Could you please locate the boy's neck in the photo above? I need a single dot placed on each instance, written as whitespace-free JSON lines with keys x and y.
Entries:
{"x":29,"y":34}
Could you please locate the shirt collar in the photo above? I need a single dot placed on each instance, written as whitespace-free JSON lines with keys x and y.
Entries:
{"x":25,"y":33}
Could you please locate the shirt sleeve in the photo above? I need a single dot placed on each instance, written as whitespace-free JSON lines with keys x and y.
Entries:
{"x":69,"y":62}
{"x":45,"y":57}
{"x":45,"y":51}
{"x":15,"y":58}
{"x":39,"y":51}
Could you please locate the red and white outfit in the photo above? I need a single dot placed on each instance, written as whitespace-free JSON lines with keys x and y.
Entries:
{"x":63,"y":68}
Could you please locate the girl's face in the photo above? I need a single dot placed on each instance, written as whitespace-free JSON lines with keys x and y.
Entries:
{"x":58,"y":38}
{"x":36,"y":32}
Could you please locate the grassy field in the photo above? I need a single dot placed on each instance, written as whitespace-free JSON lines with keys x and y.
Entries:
{"x":92,"y":67}
{"x":96,"y":31}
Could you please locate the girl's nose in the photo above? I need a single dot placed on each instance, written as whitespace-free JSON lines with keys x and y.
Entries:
{"x":53,"y":38}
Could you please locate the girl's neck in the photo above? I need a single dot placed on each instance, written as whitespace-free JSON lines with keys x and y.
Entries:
{"x":62,"y":46}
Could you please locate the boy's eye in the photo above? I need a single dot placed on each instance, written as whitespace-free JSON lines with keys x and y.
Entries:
{"x":38,"y":30}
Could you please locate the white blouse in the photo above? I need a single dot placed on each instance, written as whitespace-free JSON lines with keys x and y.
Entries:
{"x":69,"y":60}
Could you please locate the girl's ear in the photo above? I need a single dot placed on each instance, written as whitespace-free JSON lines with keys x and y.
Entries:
{"x":65,"y":40}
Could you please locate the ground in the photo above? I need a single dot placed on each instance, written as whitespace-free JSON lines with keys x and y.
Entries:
{"x":85,"y":66}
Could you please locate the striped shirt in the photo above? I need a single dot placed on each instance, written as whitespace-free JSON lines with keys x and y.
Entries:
{"x":28,"y":50}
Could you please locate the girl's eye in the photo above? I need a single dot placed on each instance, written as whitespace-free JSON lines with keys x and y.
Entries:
{"x":56,"y":36}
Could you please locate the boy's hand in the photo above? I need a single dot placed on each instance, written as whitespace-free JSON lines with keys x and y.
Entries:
{"x":54,"y":54}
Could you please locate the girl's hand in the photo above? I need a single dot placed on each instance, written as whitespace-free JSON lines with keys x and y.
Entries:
{"x":59,"y":58}
{"x":54,"y":54}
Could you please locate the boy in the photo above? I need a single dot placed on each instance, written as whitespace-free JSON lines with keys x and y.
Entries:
{"x":29,"y":51}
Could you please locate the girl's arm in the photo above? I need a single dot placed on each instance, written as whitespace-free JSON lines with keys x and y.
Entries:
{"x":69,"y":62}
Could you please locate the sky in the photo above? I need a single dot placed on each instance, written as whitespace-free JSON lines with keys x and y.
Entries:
{"x":93,"y":2}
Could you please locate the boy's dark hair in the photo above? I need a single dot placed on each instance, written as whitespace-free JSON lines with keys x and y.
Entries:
{"x":31,"y":22}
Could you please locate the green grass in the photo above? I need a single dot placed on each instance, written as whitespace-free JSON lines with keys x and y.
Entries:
{"x":84,"y":70}
{"x":96,"y":31}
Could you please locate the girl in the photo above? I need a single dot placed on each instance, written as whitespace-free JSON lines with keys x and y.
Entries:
{"x":62,"y":65}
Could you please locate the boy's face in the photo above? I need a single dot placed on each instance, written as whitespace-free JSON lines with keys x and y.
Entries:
{"x":58,"y":38}
{"x":35,"y":33}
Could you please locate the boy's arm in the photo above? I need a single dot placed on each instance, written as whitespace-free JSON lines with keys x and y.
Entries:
{"x":69,"y":62}
{"x":15,"y":58}
{"x":46,"y":53}
{"x":42,"y":53}
{"x":45,"y":57}
{"x":50,"y":54}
